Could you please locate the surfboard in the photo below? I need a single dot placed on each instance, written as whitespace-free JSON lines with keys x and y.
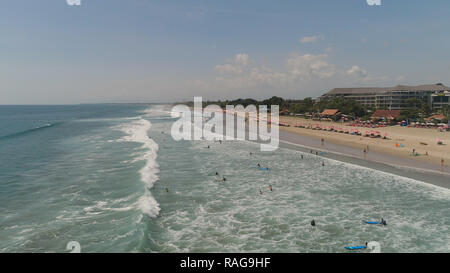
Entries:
{"x":355,"y":247}
{"x":372,"y":223}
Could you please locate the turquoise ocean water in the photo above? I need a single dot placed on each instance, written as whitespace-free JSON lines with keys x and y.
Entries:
{"x":97,"y":174}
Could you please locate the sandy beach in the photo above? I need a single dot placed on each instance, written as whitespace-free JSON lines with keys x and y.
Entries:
{"x":386,"y":149}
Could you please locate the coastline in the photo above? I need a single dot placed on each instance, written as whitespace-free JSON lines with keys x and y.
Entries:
{"x":352,"y":152}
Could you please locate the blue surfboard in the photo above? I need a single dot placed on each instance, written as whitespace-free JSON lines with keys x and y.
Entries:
{"x":355,"y":247}
{"x":372,"y":223}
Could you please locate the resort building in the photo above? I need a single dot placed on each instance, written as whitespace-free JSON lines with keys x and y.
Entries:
{"x":440,"y":100}
{"x":393,"y":98}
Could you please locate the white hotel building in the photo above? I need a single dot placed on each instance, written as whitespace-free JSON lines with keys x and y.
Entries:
{"x":394,"y":98}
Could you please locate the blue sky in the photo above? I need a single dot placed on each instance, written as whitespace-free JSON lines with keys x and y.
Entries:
{"x":145,"y":50}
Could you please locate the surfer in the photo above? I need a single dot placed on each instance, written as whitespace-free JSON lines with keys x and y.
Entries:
{"x":258,"y":165}
{"x":260,"y":192}
{"x":383,"y":222}
{"x":313,"y":223}
{"x":217,"y":173}
{"x":224,"y":179}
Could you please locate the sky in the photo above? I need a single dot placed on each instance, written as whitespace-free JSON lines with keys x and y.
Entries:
{"x":105,"y":51}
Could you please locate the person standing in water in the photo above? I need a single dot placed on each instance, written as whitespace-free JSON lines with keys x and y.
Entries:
{"x":323,"y":163}
{"x":270,"y":187}
{"x":313,"y":223}
{"x":167,"y":190}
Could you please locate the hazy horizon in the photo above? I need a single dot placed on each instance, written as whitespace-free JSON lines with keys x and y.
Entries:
{"x":144,"y":51}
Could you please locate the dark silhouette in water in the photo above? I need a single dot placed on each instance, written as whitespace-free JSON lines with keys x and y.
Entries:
{"x":313,"y":223}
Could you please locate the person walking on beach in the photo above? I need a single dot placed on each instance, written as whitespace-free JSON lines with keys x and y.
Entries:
{"x":322,"y":140}
{"x":442,"y":165}
{"x":364,"y":151}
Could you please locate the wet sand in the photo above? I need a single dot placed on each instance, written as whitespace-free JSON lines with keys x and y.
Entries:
{"x":407,"y":166}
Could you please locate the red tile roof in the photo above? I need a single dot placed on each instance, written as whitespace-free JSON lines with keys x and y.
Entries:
{"x":330,"y":112}
{"x":390,"y":114}
{"x":437,"y":117}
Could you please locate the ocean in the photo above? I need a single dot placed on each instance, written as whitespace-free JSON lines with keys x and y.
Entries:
{"x":110,"y":177}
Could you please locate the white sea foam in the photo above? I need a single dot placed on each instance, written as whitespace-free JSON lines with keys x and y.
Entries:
{"x":136,"y":131}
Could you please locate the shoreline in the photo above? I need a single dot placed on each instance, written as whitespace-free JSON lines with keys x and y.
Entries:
{"x":426,"y":172}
